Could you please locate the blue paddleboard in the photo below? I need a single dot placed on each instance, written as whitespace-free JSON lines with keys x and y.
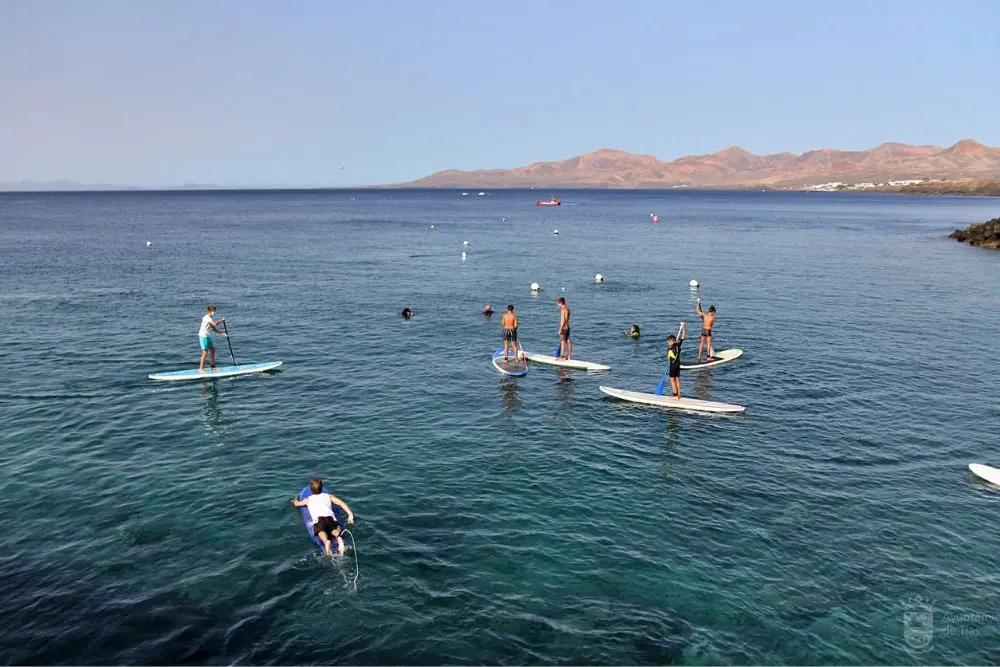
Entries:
{"x":308,"y":521}
{"x":513,"y":367}
{"x":220,"y":372}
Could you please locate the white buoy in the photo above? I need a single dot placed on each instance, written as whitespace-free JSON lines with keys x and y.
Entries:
{"x":465,"y":243}
{"x":503,"y":219}
{"x":432,"y":226}
{"x":694,"y":284}
{"x":599,"y":278}
{"x":556,"y":232}
{"x":535,"y":287}
{"x":149,"y":244}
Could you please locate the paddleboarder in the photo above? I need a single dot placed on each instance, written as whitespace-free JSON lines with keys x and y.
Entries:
{"x":325,"y":524}
{"x":707,"y":322}
{"x":209,"y":325}
{"x":565,"y":344}
{"x":674,"y":357}
{"x":509,"y":322}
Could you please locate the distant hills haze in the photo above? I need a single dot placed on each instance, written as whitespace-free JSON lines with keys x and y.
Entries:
{"x":735,"y":168}
{"x":732,"y":167}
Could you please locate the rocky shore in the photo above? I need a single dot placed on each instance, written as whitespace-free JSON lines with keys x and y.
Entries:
{"x":984,"y":234}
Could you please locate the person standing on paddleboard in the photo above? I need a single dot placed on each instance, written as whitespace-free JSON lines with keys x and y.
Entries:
{"x":565,"y":344}
{"x":209,"y":326}
{"x":325,"y":525}
{"x":674,"y":357}
{"x":509,"y":325}
{"x":707,"y":322}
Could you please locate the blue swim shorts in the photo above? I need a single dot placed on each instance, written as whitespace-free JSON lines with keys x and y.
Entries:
{"x":206,"y":342}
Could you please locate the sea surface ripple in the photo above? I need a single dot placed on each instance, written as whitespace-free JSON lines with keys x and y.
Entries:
{"x":498,"y":520}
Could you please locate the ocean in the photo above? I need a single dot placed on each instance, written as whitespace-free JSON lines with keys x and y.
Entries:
{"x":498,"y":521}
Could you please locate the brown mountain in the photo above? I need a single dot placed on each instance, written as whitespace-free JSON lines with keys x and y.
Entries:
{"x":736,"y":168}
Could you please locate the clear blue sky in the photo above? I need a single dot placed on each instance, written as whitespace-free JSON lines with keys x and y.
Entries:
{"x":286,"y":93}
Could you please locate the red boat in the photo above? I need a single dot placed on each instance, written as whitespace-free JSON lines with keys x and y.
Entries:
{"x":551,"y":202}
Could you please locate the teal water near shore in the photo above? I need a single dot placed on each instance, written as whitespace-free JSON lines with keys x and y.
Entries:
{"x":499,"y":521}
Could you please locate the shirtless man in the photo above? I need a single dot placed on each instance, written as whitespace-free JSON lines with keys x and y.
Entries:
{"x":565,"y":344}
{"x":707,"y":322}
{"x":508,"y":322}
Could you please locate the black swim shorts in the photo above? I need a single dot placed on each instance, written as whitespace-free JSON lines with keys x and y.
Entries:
{"x":510,"y":335}
{"x":328,"y":525}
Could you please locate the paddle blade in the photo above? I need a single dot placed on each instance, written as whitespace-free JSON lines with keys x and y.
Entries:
{"x":659,"y":388}
{"x":558,"y":350}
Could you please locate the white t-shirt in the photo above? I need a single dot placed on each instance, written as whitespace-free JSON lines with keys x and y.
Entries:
{"x":206,"y":326}
{"x":319,"y":505}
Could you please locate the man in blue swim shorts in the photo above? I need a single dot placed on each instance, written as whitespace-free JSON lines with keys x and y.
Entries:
{"x":208,"y":326}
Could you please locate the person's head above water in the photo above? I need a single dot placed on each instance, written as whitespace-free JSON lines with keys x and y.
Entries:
{"x":510,"y":308}
{"x":316,"y":485}
{"x":407,"y":313}
{"x":487,"y":308}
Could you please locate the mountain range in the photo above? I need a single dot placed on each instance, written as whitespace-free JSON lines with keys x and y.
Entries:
{"x":736,"y":168}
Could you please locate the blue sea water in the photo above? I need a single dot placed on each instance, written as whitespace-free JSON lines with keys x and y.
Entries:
{"x":498,"y":520}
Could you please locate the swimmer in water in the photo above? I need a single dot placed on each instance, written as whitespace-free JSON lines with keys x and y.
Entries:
{"x":407,"y":313}
{"x":632,"y":331}
{"x":487,"y":310}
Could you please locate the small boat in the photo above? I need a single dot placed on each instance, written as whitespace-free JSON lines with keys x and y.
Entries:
{"x":553,"y":201}
{"x":482,"y":194}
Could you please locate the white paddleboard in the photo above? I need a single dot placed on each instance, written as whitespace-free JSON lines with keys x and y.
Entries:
{"x":991,"y":475}
{"x":220,"y":372}
{"x":719,"y":359}
{"x":567,"y":363}
{"x":671,"y":402}
{"x":513,"y":367}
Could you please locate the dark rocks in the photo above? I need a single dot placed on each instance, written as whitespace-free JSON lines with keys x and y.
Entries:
{"x":984,"y":234}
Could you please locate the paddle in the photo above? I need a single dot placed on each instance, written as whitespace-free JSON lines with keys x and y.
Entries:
{"x":659,"y":388}
{"x":226,"y":330}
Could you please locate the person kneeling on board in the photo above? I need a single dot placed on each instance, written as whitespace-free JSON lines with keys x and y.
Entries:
{"x":674,"y":357}
{"x":325,"y":524}
{"x":209,"y":326}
